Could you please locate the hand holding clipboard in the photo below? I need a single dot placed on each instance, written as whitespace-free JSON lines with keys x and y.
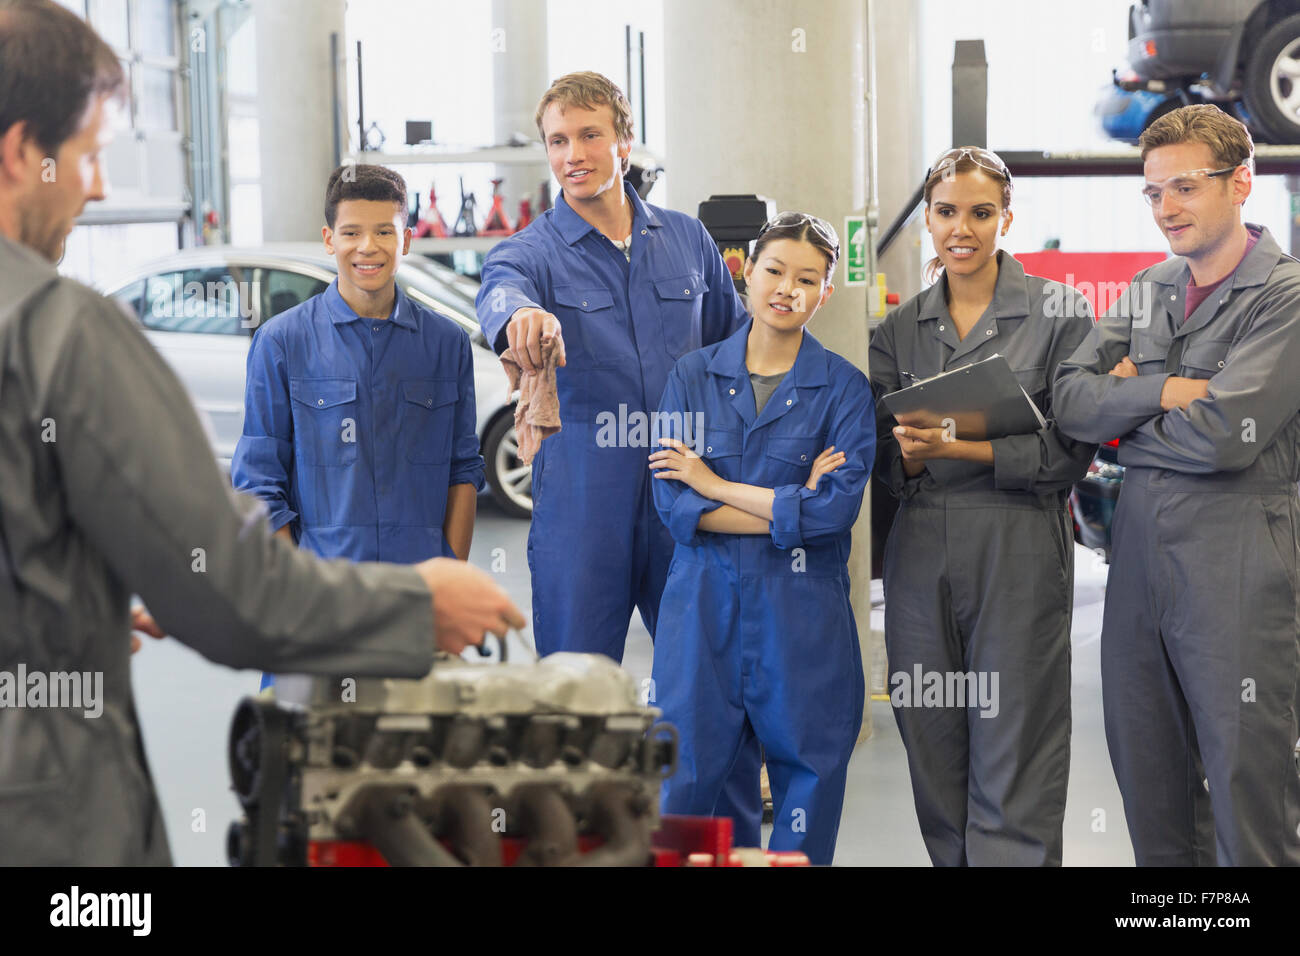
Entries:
{"x":984,"y":400}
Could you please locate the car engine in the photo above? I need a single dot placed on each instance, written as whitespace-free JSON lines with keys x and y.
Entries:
{"x":548,"y":763}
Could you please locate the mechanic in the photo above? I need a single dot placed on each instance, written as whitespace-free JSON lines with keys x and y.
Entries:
{"x":108,"y":486}
{"x":626,"y":288}
{"x":759,"y":643}
{"x":1194,"y":371}
{"x":359,"y":423}
{"x":979,"y":564}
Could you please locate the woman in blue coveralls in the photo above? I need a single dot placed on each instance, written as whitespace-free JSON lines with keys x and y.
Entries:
{"x":979,"y":563}
{"x":757,"y":641}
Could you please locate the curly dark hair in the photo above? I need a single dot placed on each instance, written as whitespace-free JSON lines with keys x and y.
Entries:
{"x":362,"y":181}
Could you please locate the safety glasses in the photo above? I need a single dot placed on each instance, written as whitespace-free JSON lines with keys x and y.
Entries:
{"x":820,"y":226}
{"x":1185,"y":186}
{"x":983,"y":158}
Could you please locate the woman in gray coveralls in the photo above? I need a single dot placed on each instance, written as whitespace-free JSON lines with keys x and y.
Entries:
{"x":979,"y":563}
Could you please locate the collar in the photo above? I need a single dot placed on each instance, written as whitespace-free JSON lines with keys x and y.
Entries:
{"x":809,"y":370}
{"x":1252,"y":270}
{"x":1010,"y":293}
{"x":573,"y":227}
{"x":403,"y":313}
{"x":30,"y":258}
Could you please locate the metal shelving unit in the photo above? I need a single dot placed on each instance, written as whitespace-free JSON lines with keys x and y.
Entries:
{"x":532,"y":154}
{"x":430,"y":246}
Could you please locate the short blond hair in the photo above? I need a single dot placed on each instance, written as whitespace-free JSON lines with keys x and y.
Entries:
{"x":589,"y":90}
{"x":1227,"y":137}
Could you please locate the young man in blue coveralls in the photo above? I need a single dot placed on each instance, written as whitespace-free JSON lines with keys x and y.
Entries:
{"x":626,"y":288}
{"x":359,"y":422}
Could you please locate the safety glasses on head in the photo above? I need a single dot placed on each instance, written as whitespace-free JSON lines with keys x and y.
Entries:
{"x":1187,"y":185}
{"x":791,"y":219}
{"x":983,"y":158}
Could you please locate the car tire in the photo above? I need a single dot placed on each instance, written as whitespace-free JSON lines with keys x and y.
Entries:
{"x":511,"y":488}
{"x":1271,"y":82}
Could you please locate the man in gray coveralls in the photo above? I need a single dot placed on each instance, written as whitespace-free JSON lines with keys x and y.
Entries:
{"x":1197,"y":371}
{"x":108,"y":486}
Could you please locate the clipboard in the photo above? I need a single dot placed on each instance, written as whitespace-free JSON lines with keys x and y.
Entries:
{"x":983,"y":400}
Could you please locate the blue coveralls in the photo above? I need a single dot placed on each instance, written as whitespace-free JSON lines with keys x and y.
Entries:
{"x":355,"y":429}
{"x":596,"y":549}
{"x":757,"y":635}
{"x":377,"y":490}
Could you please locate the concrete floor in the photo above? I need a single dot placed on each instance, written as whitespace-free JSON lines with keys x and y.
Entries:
{"x":186,"y":702}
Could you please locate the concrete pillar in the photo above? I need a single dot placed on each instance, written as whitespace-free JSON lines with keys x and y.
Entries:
{"x":295,"y":119}
{"x":519,"y":78}
{"x":767,"y":96}
{"x":901,"y":163}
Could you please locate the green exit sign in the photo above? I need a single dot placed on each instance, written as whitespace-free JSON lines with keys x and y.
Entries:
{"x":855,"y":238}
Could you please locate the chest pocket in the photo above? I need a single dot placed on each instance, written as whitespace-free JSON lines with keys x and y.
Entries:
{"x":427,"y":420}
{"x":1148,"y":351}
{"x":722,"y":451}
{"x":324,"y":421}
{"x":680,"y":307}
{"x":1202,"y":359}
{"x":791,"y":457}
{"x":591,"y":330}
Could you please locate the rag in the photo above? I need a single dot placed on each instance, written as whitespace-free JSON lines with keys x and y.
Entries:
{"x":537,"y":415}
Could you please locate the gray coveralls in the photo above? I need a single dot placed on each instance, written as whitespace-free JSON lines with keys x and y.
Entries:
{"x":108,"y":486}
{"x":979,"y":578}
{"x":1200,"y":646}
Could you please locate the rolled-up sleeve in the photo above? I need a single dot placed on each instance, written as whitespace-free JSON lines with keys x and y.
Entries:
{"x":684,"y":514}
{"x":466,"y":462}
{"x":801,"y":515}
{"x":263,"y":458}
{"x":680,"y":507}
{"x":508,"y":286}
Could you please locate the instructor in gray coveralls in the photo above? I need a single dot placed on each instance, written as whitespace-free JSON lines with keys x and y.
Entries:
{"x":1195,"y":370}
{"x":108,"y":486}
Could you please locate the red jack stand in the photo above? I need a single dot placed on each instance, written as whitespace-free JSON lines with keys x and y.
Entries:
{"x":497,"y":224}
{"x":432,"y":225}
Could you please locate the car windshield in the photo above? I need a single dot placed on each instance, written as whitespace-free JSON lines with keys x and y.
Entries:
{"x":445,"y":290}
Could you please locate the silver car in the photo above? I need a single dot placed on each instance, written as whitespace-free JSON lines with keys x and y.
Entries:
{"x":200,"y":307}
